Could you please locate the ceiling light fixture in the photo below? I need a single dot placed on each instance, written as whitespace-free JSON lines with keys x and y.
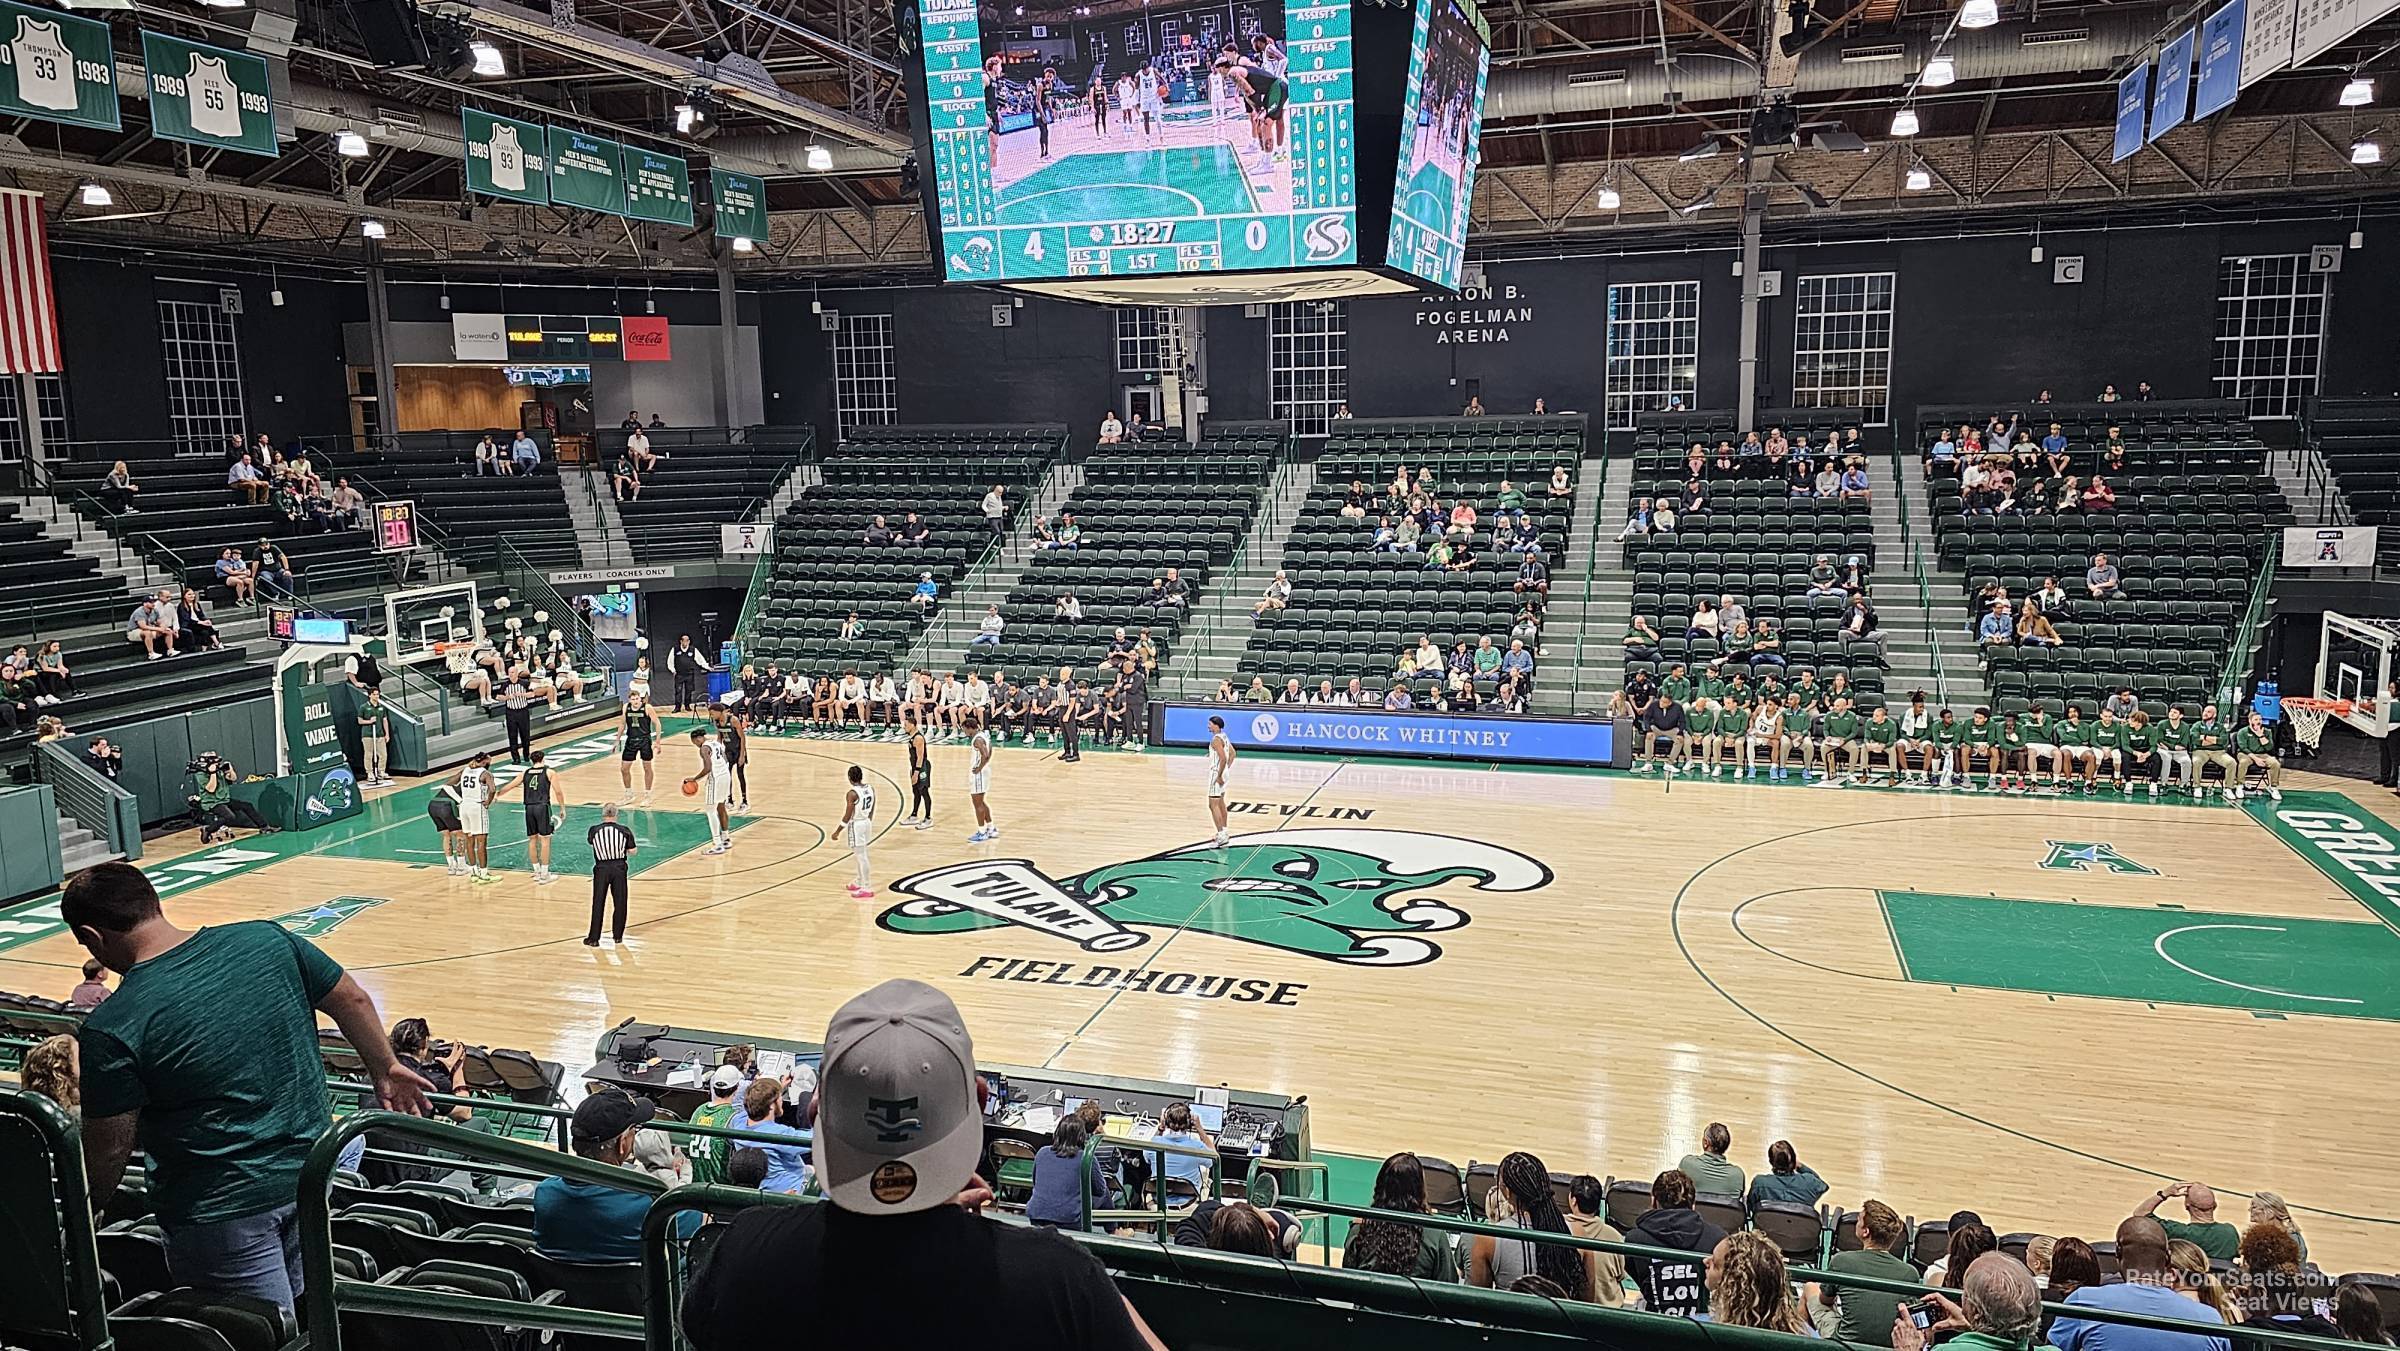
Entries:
{"x":2359,"y":92}
{"x":1979,"y":13}
{"x":1919,"y":179}
{"x":819,"y":158}
{"x":488,"y":60}
{"x":95,"y":194}
{"x":350,"y":144}
{"x":1607,"y":199}
{"x":742,"y":244}
{"x":685,"y":116}
{"x":2364,"y":151}
{"x":1904,"y":122}
{"x":1939,"y":72}
{"x":372,"y":228}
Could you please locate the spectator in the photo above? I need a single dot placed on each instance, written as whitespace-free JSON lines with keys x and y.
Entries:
{"x":762,"y":1113}
{"x":1641,"y":640}
{"x":1523,"y":1199}
{"x":2267,"y":1207}
{"x":1854,"y":1313}
{"x":1060,"y":1187}
{"x":925,"y":593}
{"x":1068,"y":608}
{"x":117,"y":490}
{"x":192,"y":627}
{"x":902,"y":1202}
{"x":2108,"y":394}
{"x":1641,"y":523}
{"x":913,"y":530}
{"x":1178,"y":591}
{"x":524,"y":453}
{"x":1855,"y":487}
{"x":1829,"y":481}
{"x":877,"y":533}
{"x":661,"y":1158}
{"x":225,"y":1135}
{"x":2215,"y":1237}
{"x":2103,"y":580}
{"x":626,"y":481}
{"x":487,"y":456}
{"x":1747,"y":1287}
{"x":2274,"y":1291}
{"x":1518,"y":662}
{"x":1397,"y":1249}
{"x":1112,"y":431}
{"x":633,"y":421}
{"x":2098,"y":496}
{"x":2034,"y":628}
{"x":1176,"y":1126}
{"x":1999,"y":1309}
{"x":1587,"y":1217}
{"x":153,"y":625}
{"x":273,"y":568}
{"x":89,"y":993}
{"x":1070,"y":533}
{"x":637,"y":449}
{"x":412,"y":1042}
{"x":1474,"y":406}
{"x":2150,"y":1287}
{"x":1560,"y":486}
{"x":591,"y":1221}
{"x":2198,"y":1282}
{"x":1710,"y":1173}
{"x":1788,"y":1180}
{"x":1970,"y":1238}
{"x":1860,"y":626}
{"x":246,"y":481}
{"x":1277,"y":596}
{"x":657,"y":422}
{"x":235,"y":576}
{"x":2359,"y":1314}
{"x":988,"y":632}
{"x":105,"y":759}
{"x":1998,"y":627}
{"x":995,"y":510}
{"x":1354,"y":502}
{"x":1671,"y":1285}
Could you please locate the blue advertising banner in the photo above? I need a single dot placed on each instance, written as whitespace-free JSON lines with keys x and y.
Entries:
{"x":2219,"y":81}
{"x":2173,"y":92}
{"x":2133,"y":107}
{"x":1372,"y":731}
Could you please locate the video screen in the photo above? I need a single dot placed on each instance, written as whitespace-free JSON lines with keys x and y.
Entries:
{"x":1132,"y":137}
{"x":1441,"y":136}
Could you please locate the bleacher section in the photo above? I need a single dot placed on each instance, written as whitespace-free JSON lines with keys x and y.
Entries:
{"x":2360,"y":442}
{"x":186,"y":510}
{"x":2195,"y":507}
{"x":1353,"y":609}
{"x":437,"y":471}
{"x":42,"y":580}
{"x":1755,"y":542}
{"x":1142,"y":509}
{"x":824,"y":571}
{"x":704,"y":479}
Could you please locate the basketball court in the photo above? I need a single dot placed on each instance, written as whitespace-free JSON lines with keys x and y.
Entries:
{"x":1163,"y":182}
{"x":2085,"y":997}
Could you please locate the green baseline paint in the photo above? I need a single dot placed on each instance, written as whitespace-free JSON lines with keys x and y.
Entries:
{"x":2359,"y":850}
{"x":2259,"y":963}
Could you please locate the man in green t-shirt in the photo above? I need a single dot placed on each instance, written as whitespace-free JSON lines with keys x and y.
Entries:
{"x":2074,"y":737}
{"x":1880,"y":739}
{"x":1980,"y":742}
{"x":1840,"y":741}
{"x":709,"y":1152}
{"x":1700,"y":731}
{"x":1678,"y":684}
{"x":2139,"y":743}
{"x":2041,"y":745}
{"x":2108,"y":747}
{"x":207,"y":1058}
{"x":1800,"y":733}
{"x":2013,"y":761}
{"x":2255,"y":747}
{"x":1947,"y":737}
{"x":2211,"y":1235}
{"x":2212,"y":744}
{"x":2175,"y":748}
{"x":1859,"y":1315}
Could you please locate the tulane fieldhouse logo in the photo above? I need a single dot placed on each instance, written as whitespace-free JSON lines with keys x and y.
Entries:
{"x":1351,"y":896}
{"x":2083,"y":856}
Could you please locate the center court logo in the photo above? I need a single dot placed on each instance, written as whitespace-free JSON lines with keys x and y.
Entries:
{"x":1326,"y":237}
{"x":1349,"y":896}
{"x":1265,"y":727}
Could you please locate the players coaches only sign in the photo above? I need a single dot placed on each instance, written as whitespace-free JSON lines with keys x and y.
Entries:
{"x":2328,"y":546}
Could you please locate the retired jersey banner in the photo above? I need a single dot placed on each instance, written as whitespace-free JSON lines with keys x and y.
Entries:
{"x":741,"y":204}
{"x":505,"y":157}
{"x":657,"y":187}
{"x":2328,"y":546}
{"x":58,"y":68}
{"x":586,"y":171}
{"x":211,"y":96}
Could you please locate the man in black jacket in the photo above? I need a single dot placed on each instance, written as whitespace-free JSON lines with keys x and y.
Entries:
{"x":688,"y":665}
{"x":1673,"y":1286}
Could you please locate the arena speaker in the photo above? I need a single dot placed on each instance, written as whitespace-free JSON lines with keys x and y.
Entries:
{"x":389,"y":30}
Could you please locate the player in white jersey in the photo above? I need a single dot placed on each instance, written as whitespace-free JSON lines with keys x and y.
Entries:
{"x":215,"y":105}
{"x":1765,"y":739}
{"x":979,"y":782}
{"x":715,"y":785}
{"x":45,"y":68}
{"x":858,"y":828}
{"x":1220,"y":759}
{"x":473,"y":785}
{"x":508,"y":158}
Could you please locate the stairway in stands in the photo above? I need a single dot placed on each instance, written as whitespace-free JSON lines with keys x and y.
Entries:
{"x":1581,"y":662}
{"x":1213,"y":643}
{"x":943,"y":644}
{"x":592,"y":506}
{"x":1955,"y":677}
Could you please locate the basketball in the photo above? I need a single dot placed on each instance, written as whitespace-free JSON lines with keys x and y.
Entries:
{"x":690,"y":788}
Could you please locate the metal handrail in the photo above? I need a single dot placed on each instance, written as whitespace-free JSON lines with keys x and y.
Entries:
{"x":2239,"y":657}
{"x":89,"y":798}
{"x":1591,"y":568}
{"x":1085,"y":1164}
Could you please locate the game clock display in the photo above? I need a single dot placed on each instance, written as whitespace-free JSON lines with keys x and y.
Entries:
{"x":1441,"y":138}
{"x":1070,"y":141}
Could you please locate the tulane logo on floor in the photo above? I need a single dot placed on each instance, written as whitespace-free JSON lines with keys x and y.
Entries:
{"x":2083,"y":856}
{"x":1350,"y":896}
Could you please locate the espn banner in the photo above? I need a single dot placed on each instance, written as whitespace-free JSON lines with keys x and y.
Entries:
{"x":2328,"y":546}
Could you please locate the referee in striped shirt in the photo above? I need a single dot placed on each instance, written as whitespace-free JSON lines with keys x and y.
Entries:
{"x":612,"y":845}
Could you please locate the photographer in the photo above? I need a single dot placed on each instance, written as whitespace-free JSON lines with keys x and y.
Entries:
{"x":438,"y":1061}
{"x":214,"y":803}
{"x":1999,"y":1308}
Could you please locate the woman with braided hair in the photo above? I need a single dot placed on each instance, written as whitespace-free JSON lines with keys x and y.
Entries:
{"x":1397,"y":1249}
{"x":1528,"y":1203}
{"x":1747,"y":1287}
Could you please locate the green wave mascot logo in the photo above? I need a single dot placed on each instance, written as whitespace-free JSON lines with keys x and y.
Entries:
{"x":1351,"y":896}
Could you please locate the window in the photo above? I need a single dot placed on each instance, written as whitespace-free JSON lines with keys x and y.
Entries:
{"x":1842,"y":344}
{"x":1149,"y":339}
{"x":1308,"y":363}
{"x":865,"y":387}
{"x":1653,"y":348}
{"x":2270,"y":332}
{"x":50,"y":393}
{"x":204,"y":375}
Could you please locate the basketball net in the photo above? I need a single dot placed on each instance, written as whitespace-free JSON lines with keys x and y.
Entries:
{"x":2308,"y":718}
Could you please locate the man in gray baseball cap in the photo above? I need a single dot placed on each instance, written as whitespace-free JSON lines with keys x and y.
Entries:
{"x":898,"y":1254}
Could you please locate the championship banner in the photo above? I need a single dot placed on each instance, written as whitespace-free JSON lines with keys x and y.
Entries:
{"x":741,"y":204}
{"x":57,"y":68}
{"x":2171,"y":95}
{"x":657,"y":187}
{"x":209,"y":96}
{"x":586,"y":171}
{"x":2219,"y":80}
{"x":2328,"y":546}
{"x":2133,"y":108}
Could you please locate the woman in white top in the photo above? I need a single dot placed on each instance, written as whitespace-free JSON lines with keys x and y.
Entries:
{"x":1111,"y":430}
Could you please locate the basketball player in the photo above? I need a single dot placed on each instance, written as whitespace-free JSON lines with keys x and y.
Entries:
{"x":715,"y":785}
{"x":979,"y":782}
{"x":637,"y":731}
{"x":473,"y":787}
{"x":920,"y":779}
{"x":1220,"y":759}
{"x":858,"y":826}
{"x":540,"y":792}
{"x":991,"y":112}
{"x":443,"y":811}
{"x":1154,"y":108}
{"x":732,"y":720}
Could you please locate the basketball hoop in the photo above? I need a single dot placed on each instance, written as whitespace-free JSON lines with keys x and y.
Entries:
{"x":2308,"y":717}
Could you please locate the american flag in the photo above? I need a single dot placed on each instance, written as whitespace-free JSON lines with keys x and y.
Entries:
{"x":28,"y":297}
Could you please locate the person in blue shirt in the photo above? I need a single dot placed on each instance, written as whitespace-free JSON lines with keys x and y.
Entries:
{"x":927,"y":590}
{"x":787,"y":1165}
{"x":2150,"y":1287}
{"x":1517,"y":661}
{"x":1058,"y":1184}
{"x":587,"y":1221}
{"x":1944,"y":452}
{"x":525,"y":453}
{"x":2056,"y":442}
{"x":1998,"y":627}
{"x":1176,"y":1127}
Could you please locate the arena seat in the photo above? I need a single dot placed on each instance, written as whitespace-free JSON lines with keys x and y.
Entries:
{"x":436,"y":470}
{"x":185,"y":511}
{"x":824,"y":572}
{"x":705,"y":479}
{"x":1354,"y":609}
{"x":2359,"y":441}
